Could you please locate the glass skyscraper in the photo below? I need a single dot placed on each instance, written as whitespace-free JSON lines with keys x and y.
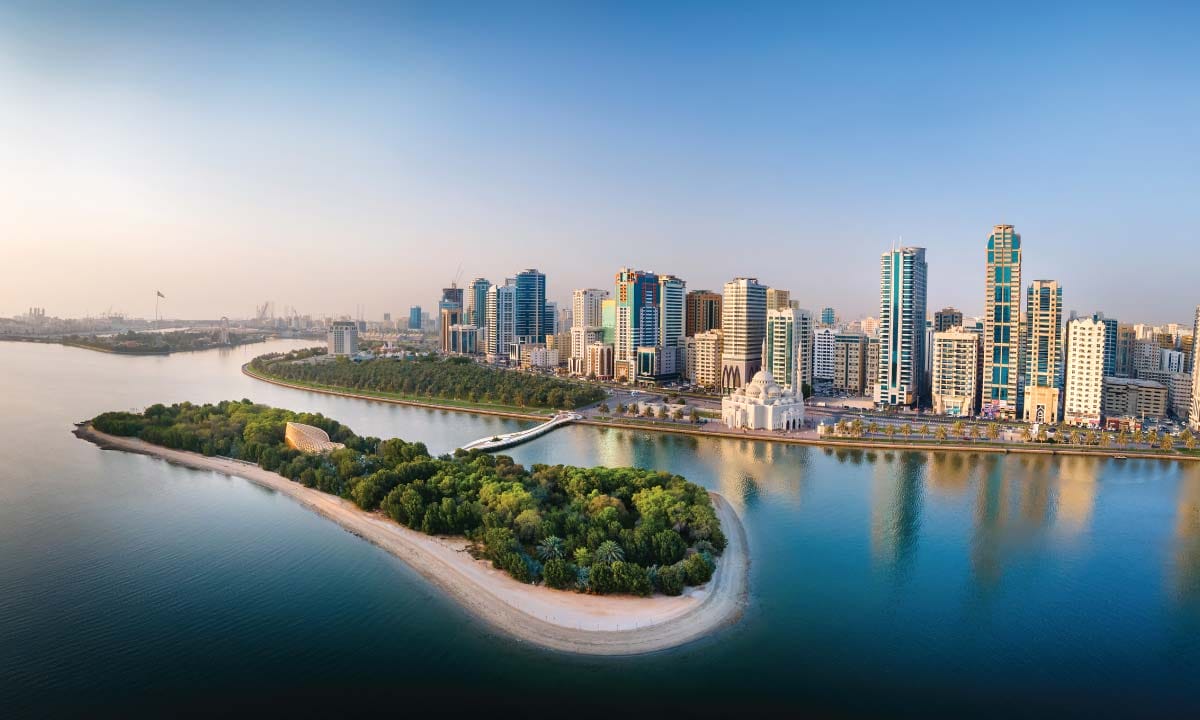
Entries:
{"x":903,"y":277}
{"x":1002,"y":323}
{"x":530,"y":321}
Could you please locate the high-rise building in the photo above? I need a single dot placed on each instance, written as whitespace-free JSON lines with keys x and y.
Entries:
{"x":500,"y":320}
{"x":1043,"y":334}
{"x":586,"y":306}
{"x":672,"y":294}
{"x":476,"y":310}
{"x":744,"y":322}
{"x":608,"y":320}
{"x":850,"y":363}
{"x":1125,"y":339}
{"x":783,"y":348}
{"x":778,"y":299}
{"x":531,"y":322}
{"x":342,"y":338}
{"x":903,"y":275}
{"x":414,"y":317}
{"x":1111,"y":332}
{"x":1194,"y":415}
{"x":587,"y":326}
{"x":1084,"y":382}
{"x":462,"y":339}
{"x":947,"y":318}
{"x":805,"y":345}
{"x":872,"y":379}
{"x":703,"y":311}
{"x":828,"y":317}
{"x":451,"y":315}
{"x":636,"y":319}
{"x":709,"y":348}
{"x":1002,"y":323}
{"x":824,"y":352}
{"x":452,"y":295}
{"x":870,"y":326}
{"x":1146,"y":357}
{"x":955,"y":383}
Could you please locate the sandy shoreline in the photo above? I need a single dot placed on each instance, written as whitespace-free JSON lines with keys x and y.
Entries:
{"x":559,"y":620}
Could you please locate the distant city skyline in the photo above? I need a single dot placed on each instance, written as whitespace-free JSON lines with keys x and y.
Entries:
{"x":228,"y":158}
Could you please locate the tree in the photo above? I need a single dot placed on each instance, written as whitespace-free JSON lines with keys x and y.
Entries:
{"x":907,"y":430}
{"x":1026,"y":434}
{"x":608,"y":552}
{"x":551,"y":548}
{"x":959,"y":427}
{"x":891,"y":431}
{"x":559,"y":573}
{"x":873,"y":428}
{"x":1189,"y":440}
{"x":1167,"y":442}
{"x":925,"y":430}
{"x":941,"y":432}
{"x":993,"y":431}
{"x":603,"y":408}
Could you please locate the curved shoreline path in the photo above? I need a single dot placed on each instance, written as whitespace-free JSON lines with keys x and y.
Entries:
{"x":554,"y":619}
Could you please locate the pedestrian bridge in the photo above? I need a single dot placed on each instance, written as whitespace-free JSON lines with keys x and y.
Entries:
{"x":500,"y":442}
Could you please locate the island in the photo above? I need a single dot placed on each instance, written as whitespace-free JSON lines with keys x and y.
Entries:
{"x":586,"y":560}
{"x":162,"y":343}
{"x":454,"y":381}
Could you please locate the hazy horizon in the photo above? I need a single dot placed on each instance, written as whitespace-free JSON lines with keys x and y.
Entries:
{"x":329,"y":158}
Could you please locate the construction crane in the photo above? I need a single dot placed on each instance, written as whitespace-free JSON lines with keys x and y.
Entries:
{"x":265,"y":311}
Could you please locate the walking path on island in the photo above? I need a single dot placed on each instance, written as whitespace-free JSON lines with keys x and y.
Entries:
{"x":555,"y":619}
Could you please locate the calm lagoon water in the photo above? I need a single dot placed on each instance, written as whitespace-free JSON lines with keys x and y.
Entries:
{"x":907,"y":584}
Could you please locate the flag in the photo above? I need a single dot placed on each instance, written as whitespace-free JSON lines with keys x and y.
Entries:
{"x":159,"y":292}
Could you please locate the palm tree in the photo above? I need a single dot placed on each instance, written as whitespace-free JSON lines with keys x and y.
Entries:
{"x":873,"y":428}
{"x":608,"y":552}
{"x":906,"y":429}
{"x":958,"y":428}
{"x":974,"y":432}
{"x":603,"y":408}
{"x":891,"y":431}
{"x":925,"y":430}
{"x":941,"y":432}
{"x":551,"y":548}
{"x":1189,"y":440}
{"x":1167,"y":443}
{"x":1026,"y":434}
{"x":993,"y":431}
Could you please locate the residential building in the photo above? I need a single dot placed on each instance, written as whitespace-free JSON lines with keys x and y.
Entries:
{"x":872,"y":371}
{"x":608,"y":320}
{"x":956,"y":364}
{"x":1128,"y":397}
{"x":1002,"y":323}
{"x":1146,"y":357}
{"x":824,"y":352}
{"x":1179,"y":391}
{"x":703,"y":311}
{"x":451,"y":315}
{"x":903,"y":274}
{"x":587,"y":326}
{"x":1043,"y":372}
{"x":342,"y":338}
{"x":744,"y":323}
{"x":500,"y":319}
{"x":850,"y":362}
{"x":783,"y":347}
{"x":805,"y":345}
{"x":762,"y":404}
{"x":709,"y":350}
{"x":1084,"y":382}
{"x":1111,"y":332}
{"x":414,"y":317}
{"x":587,"y":307}
{"x":1194,"y":412}
{"x":778,"y":300}
{"x":946,"y":319}
{"x":827,"y":316}
{"x":870,"y":326}
{"x":599,"y":361}
{"x":550,"y":322}
{"x":1125,"y":339}
{"x":1171,"y":360}
{"x":476,"y":310}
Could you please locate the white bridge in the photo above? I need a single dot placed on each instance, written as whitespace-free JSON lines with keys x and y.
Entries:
{"x":499,"y":442}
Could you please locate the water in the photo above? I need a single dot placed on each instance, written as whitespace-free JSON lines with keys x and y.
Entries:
{"x":881,"y":583}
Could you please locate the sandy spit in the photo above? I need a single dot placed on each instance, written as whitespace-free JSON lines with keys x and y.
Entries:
{"x":554,"y":619}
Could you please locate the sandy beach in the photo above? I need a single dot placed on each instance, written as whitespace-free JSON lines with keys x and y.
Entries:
{"x":555,"y":619}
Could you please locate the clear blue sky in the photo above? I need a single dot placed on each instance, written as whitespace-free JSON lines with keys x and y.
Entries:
{"x":232,"y":155}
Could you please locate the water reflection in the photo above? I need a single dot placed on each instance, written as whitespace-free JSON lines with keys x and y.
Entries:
{"x":1186,"y":576}
{"x":896,"y":495}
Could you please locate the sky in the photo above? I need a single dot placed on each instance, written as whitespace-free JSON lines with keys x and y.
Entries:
{"x":339,"y":156}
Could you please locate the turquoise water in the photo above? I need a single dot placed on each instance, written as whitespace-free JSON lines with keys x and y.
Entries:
{"x":881,"y":583}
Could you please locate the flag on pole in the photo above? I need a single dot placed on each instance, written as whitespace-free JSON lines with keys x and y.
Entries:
{"x":164,"y":297}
